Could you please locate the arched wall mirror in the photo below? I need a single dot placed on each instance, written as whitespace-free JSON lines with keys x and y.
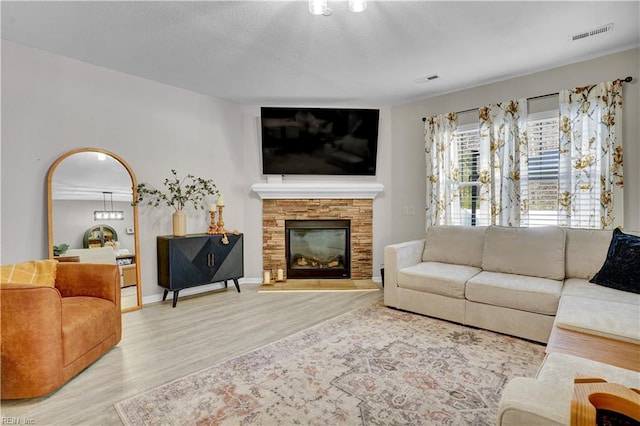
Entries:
{"x":92,"y":217}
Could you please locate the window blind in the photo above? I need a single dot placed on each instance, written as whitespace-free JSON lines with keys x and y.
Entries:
{"x":540,"y":190}
{"x":468,"y":140}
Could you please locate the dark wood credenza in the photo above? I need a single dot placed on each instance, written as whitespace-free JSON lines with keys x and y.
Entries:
{"x":198,"y":259}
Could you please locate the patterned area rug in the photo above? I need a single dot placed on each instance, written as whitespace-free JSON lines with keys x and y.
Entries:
{"x":371,"y":366}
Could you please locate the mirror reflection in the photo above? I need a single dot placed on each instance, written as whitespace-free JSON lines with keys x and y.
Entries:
{"x":91,"y":216}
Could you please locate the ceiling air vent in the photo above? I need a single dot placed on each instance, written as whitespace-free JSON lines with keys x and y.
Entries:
{"x":425,"y":79}
{"x":592,"y":32}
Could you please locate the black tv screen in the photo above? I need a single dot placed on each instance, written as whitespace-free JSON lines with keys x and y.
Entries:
{"x":319,"y":141}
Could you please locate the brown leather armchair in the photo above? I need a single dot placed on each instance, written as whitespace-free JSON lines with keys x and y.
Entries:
{"x":50,"y":334}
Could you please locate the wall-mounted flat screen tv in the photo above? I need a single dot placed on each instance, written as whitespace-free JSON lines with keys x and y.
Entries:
{"x":319,"y":141}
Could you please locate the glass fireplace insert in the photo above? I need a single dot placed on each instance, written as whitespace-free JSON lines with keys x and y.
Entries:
{"x":318,"y":248}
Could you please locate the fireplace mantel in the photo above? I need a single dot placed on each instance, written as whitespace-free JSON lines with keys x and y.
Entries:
{"x":313,"y":190}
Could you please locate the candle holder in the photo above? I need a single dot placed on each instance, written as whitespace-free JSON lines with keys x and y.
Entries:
{"x":212,"y":225}
{"x":220,"y":229}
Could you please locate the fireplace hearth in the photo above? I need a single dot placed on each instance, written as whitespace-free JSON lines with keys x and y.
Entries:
{"x":318,"y":248}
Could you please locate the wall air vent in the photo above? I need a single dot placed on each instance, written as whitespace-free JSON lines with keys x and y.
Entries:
{"x":589,"y":33}
{"x":425,"y":79}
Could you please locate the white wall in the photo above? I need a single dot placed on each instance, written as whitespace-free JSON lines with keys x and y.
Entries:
{"x":51,"y":104}
{"x":253,"y":162}
{"x":408,"y":160}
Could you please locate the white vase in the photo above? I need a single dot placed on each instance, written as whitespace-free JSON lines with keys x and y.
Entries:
{"x":179,"y":224}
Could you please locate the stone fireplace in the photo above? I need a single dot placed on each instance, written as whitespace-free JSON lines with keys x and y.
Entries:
{"x":318,"y":202}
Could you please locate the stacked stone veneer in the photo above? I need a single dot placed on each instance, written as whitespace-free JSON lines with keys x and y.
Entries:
{"x":359,"y":211}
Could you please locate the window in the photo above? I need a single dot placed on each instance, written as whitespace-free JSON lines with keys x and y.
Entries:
{"x":542,"y":188}
{"x":539,"y":190}
{"x":468,"y":140}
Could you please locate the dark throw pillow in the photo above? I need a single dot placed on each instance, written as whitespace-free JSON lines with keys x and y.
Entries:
{"x":621,"y":270}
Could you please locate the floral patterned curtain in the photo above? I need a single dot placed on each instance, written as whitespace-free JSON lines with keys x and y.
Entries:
{"x":441,"y":150}
{"x":503,"y":163}
{"x":591,"y":160}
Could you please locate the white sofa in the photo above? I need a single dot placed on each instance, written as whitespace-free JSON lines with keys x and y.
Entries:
{"x":546,"y":399}
{"x":522,"y":282}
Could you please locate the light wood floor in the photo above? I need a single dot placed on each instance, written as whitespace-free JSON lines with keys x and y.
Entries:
{"x":160,"y":344}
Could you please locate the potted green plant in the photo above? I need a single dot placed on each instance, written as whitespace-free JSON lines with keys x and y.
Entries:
{"x":60,"y":249}
{"x":178,"y":193}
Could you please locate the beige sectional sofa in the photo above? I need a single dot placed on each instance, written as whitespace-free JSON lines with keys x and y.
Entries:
{"x":503,"y":279}
{"x":523,"y":282}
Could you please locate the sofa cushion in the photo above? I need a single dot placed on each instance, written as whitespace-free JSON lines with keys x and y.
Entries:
{"x":86,"y":322}
{"x":583,"y":288}
{"x":460,"y":245}
{"x":39,"y":272}
{"x":104,"y":254}
{"x":546,"y":400}
{"x":532,"y":294}
{"x":561,"y":369}
{"x":622,"y":266}
{"x":606,"y":318}
{"x":535,"y":252}
{"x":437,"y":278}
{"x":586,"y":251}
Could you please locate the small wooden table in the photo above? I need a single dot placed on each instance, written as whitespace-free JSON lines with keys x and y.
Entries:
{"x":591,"y":395}
{"x":609,"y":351}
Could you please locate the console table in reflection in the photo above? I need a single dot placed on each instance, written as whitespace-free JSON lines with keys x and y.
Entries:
{"x":198,"y":259}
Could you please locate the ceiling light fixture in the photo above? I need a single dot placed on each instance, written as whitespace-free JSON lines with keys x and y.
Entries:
{"x":357,"y":5}
{"x":319,"y":7}
{"x":107,"y":214}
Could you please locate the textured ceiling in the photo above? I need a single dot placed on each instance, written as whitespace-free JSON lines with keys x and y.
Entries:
{"x":277,"y":53}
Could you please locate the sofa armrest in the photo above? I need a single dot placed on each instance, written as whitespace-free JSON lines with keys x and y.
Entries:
{"x":396,"y":257}
{"x":89,"y":279}
{"x":527,"y":401}
{"x":31,"y":342}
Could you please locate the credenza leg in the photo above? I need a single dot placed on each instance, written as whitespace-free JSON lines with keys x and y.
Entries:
{"x":164,"y":296}
{"x":235,"y":281}
{"x":175,"y":297}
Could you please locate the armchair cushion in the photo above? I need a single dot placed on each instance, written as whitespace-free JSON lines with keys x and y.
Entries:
{"x":41,"y":272}
{"x":86,"y":323}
